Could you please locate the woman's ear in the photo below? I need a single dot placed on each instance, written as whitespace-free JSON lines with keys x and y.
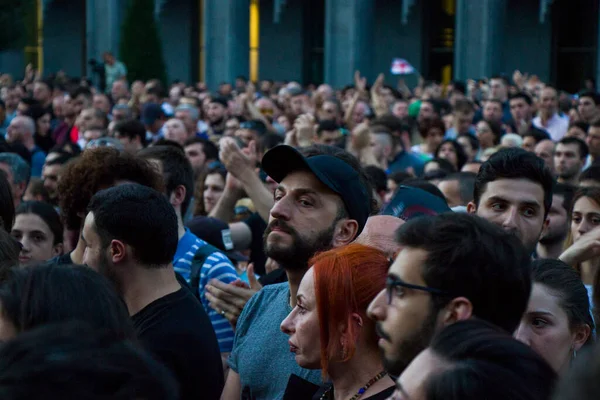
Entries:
{"x":580,"y":336}
{"x":58,"y":250}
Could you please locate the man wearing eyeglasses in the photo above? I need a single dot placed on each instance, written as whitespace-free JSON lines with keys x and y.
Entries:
{"x":452,"y":267}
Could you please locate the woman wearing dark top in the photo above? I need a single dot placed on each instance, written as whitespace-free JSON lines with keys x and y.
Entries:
{"x":43,"y":134}
{"x":329,"y":328}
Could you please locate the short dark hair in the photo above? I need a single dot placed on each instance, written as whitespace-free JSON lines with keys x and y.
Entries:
{"x":594,"y":124}
{"x":567,"y":191}
{"x":592,"y":95}
{"x":581,"y":125}
{"x":537,"y":135}
{"x":521,"y":95}
{"x":139,"y":216}
{"x":565,"y":283}
{"x":327,"y":125}
{"x":466,"y":183}
{"x":176,"y":168}
{"x":464,"y":106}
{"x":431,"y":123}
{"x":377,"y":177}
{"x":210,"y":150}
{"x":47,"y":213}
{"x":471,"y":257}
{"x":486,"y":363}
{"x":514,"y":163}
{"x":591,"y":173}
{"x":269,"y":140}
{"x":62,"y":159}
{"x":46,"y":294}
{"x":82,"y":90}
{"x":583,"y":148}
{"x":55,"y":362}
{"x":443,"y":164}
{"x":131,"y":129}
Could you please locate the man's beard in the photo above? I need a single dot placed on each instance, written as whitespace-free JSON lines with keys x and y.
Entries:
{"x":300,"y":251}
{"x":106,"y":269}
{"x":410,"y":348}
{"x":552,"y":238}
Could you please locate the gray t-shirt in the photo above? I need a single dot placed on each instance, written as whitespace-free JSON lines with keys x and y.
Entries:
{"x":261,"y":353}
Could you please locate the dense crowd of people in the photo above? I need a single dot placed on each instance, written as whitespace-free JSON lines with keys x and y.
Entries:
{"x":277,"y":241}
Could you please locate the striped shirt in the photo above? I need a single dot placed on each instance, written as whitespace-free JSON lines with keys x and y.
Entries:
{"x":216,"y":266}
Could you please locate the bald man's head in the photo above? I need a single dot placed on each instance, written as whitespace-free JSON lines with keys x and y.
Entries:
{"x":380,"y":233}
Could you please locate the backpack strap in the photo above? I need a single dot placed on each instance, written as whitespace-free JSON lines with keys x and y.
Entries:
{"x":197,"y":262}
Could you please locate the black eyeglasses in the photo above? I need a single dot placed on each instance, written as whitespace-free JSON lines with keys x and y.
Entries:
{"x":392,"y":283}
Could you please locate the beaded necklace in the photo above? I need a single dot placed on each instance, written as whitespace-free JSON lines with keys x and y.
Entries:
{"x":361,"y":391}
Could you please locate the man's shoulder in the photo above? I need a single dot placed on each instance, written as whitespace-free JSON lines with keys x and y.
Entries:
{"x":269,"y":295}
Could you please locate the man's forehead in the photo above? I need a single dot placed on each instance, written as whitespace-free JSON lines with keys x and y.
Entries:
{"x":515,"y":190}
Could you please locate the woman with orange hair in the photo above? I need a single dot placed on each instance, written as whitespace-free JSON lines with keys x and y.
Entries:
{"x":329,"y":328}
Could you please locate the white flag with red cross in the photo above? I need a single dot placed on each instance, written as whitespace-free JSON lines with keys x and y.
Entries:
{"x":401,"y":67}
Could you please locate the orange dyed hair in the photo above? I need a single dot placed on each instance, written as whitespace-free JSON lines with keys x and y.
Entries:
{"x":347,"y":279}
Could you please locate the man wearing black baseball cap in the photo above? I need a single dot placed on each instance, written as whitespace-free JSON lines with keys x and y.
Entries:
{"x":323,"y":201}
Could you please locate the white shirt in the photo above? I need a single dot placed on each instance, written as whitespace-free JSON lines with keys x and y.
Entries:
{"x":557,"y":126}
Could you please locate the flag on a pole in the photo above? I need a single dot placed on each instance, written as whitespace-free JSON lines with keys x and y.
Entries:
{"x":401,"y":67}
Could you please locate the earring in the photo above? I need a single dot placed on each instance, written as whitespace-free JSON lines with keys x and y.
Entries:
{"x":574,"y":354}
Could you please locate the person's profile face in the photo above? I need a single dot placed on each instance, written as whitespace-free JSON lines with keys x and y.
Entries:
{"x":302,"y":325}
{"x":515,"y":205}
{"x":545,"y":328}
{"x":558,"y":225}
{"x":214,"y":184}
{"x":404,"y":319}
{"x":585,"y":217}
{"x":302,"y":220}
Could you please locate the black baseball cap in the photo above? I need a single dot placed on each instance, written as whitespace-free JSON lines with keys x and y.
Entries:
{"x":216,"y":233}
{"x":333,"y":172}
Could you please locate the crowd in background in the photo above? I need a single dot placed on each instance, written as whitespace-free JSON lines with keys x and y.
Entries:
{"x":272,"y":240}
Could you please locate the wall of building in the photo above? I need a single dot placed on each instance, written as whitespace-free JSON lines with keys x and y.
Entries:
{"x":281,"y":44}
{"x":527,"y":44}
{"x":392,"y":39}
{"x":64,"y":35}
{"x":175,"y":24}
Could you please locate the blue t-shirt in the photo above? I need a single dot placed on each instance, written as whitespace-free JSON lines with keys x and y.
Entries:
{"x":261,"y":353}
{"x":38,"y":158}
{"x":216,"y":266}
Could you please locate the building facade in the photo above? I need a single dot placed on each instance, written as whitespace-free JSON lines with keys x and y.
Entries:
{"x":315,"y":41}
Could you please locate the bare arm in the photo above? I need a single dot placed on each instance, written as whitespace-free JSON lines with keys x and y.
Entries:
{"x":224,"y":209}
{"x":258,"y":192}
{"x":233,"y":387}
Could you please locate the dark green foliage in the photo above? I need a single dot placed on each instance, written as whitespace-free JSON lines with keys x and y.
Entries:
{"x":13,"y":16}
{"x":141,"y":48}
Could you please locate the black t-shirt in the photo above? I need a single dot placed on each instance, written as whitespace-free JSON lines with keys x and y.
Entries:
{"x":178,"y":332}
{"x":384,"y":394}
{"x":257,"y":252}
{"x":65,"y":259}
